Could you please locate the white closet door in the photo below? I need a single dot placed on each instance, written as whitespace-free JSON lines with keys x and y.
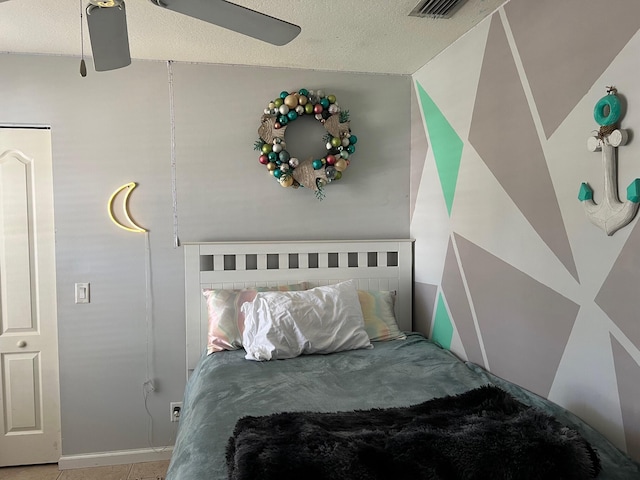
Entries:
{"x":29,"y":380}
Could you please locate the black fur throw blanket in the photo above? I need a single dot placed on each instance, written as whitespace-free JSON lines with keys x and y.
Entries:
{"x":483,"y":434}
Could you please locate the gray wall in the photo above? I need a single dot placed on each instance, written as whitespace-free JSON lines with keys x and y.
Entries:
{"x":112,"y":128}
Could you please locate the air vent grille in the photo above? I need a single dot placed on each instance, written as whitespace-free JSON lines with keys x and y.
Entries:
{"x":436,"y":8}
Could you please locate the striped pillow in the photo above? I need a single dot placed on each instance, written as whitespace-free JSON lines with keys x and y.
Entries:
{"x":226,"y":320}
{"x":379,"y":316}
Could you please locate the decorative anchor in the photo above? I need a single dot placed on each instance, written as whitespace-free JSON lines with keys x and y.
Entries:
{"x":611,"y":214}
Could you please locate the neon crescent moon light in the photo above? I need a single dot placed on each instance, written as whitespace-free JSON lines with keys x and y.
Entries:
{"x":125,"y":207}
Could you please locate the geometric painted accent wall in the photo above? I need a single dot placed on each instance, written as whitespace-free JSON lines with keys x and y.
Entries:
{"x":446,"y":145}
{"x":557,"y":90}
{"x":526,"y":286}
{"x":424,"y":305}
{"x":516,"y":158}
{"x":442,"y":327}
{"x":419,"y":148}
{"x":454,"y":290}
{"x":518,"y":317}
{"x":628,"y":377}
{"x":617,"y":296}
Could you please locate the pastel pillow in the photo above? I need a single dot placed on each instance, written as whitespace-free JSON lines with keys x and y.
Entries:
{"x":379,"y":315}
{"x":226,"y":320}
{"x":320,"y":320}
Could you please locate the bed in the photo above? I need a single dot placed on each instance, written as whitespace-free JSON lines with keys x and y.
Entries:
{"x":234,"y":409}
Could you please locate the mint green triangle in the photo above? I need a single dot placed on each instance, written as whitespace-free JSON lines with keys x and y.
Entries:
{"x":446,"y":145}
{"x":442,"y":326}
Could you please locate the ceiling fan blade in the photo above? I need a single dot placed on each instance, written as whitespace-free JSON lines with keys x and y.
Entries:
{"x":109,"y":38}
{"x":234,"y":17}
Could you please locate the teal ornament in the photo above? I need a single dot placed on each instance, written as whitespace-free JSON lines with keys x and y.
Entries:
{"x":273,"y":156}
{"x":351,"y":148}
{"x":317,"y":164}
{"x":303,"y":91}
{"x":284,"y":156}
{"x":585,"y":192}
{"x":633,"y":191}
{"x":292,"y":115}
{"x":324,"y":102}
{"x":284,"y":94}
{"x":611,"y":101}
{"x":283,"y":119}
{"x":344,"y":154}
{"x":277,"y":173}
{"x":353,"y":139}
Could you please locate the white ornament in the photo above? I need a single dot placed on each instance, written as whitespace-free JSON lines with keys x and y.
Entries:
{"x":593,"y":144}
{"x":300,"y":110}
{"x":277,"y":148}
{"x":294,"y":162}
{"x":284,"y":109}
{"x":320,"y":93}
{"x":618,"y":138}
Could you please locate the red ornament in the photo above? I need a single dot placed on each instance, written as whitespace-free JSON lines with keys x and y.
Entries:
{"x":263,"y":159}
{"x":331,"y":160}
{"x":317,"y":108}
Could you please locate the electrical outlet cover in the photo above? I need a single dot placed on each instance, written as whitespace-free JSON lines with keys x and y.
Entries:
{"x":173,"y":406}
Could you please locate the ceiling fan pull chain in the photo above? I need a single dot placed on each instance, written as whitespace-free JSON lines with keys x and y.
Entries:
{"x":83,"y":65}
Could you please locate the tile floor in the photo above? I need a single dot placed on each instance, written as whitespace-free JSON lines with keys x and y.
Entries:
{"x":135,"y":471}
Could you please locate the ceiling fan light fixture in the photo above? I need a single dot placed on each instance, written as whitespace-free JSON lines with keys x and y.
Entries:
{"x":106,"y":3}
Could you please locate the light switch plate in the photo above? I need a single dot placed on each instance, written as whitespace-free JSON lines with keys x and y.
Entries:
{"x":82,"y":293}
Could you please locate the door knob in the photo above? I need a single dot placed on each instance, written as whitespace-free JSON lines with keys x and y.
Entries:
{"x":21,"y":344}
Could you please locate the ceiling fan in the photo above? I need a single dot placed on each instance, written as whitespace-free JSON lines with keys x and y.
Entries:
{"x":107,"y":24}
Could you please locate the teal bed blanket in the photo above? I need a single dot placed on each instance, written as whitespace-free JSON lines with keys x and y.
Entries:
{"x":225,"y":387}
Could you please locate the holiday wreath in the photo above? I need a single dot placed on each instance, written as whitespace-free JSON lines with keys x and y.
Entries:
{"x":311,"y":173}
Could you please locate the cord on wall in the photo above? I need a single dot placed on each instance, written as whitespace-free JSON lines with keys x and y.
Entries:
{"x":145,"y":394}
{"x":149,"y":385}
{"x":172,"y":121}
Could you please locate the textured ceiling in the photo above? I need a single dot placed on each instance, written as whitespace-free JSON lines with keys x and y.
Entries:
{"x":374,"y":36}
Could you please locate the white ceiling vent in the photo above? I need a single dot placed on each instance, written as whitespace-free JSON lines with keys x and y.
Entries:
{"x":436,"y":8}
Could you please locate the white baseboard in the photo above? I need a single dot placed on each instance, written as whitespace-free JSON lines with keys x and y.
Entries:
{"x":121,"y":457}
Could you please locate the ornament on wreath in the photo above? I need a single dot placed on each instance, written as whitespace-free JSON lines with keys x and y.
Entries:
{"x":311,"y":173}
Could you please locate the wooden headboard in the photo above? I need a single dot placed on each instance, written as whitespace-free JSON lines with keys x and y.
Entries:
{"x":373,"y":264}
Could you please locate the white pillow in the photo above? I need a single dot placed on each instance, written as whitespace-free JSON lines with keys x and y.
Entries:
{"x":287,"y":324}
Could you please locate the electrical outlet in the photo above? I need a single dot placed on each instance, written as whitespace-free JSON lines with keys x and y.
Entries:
{"x":176,"y":409}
